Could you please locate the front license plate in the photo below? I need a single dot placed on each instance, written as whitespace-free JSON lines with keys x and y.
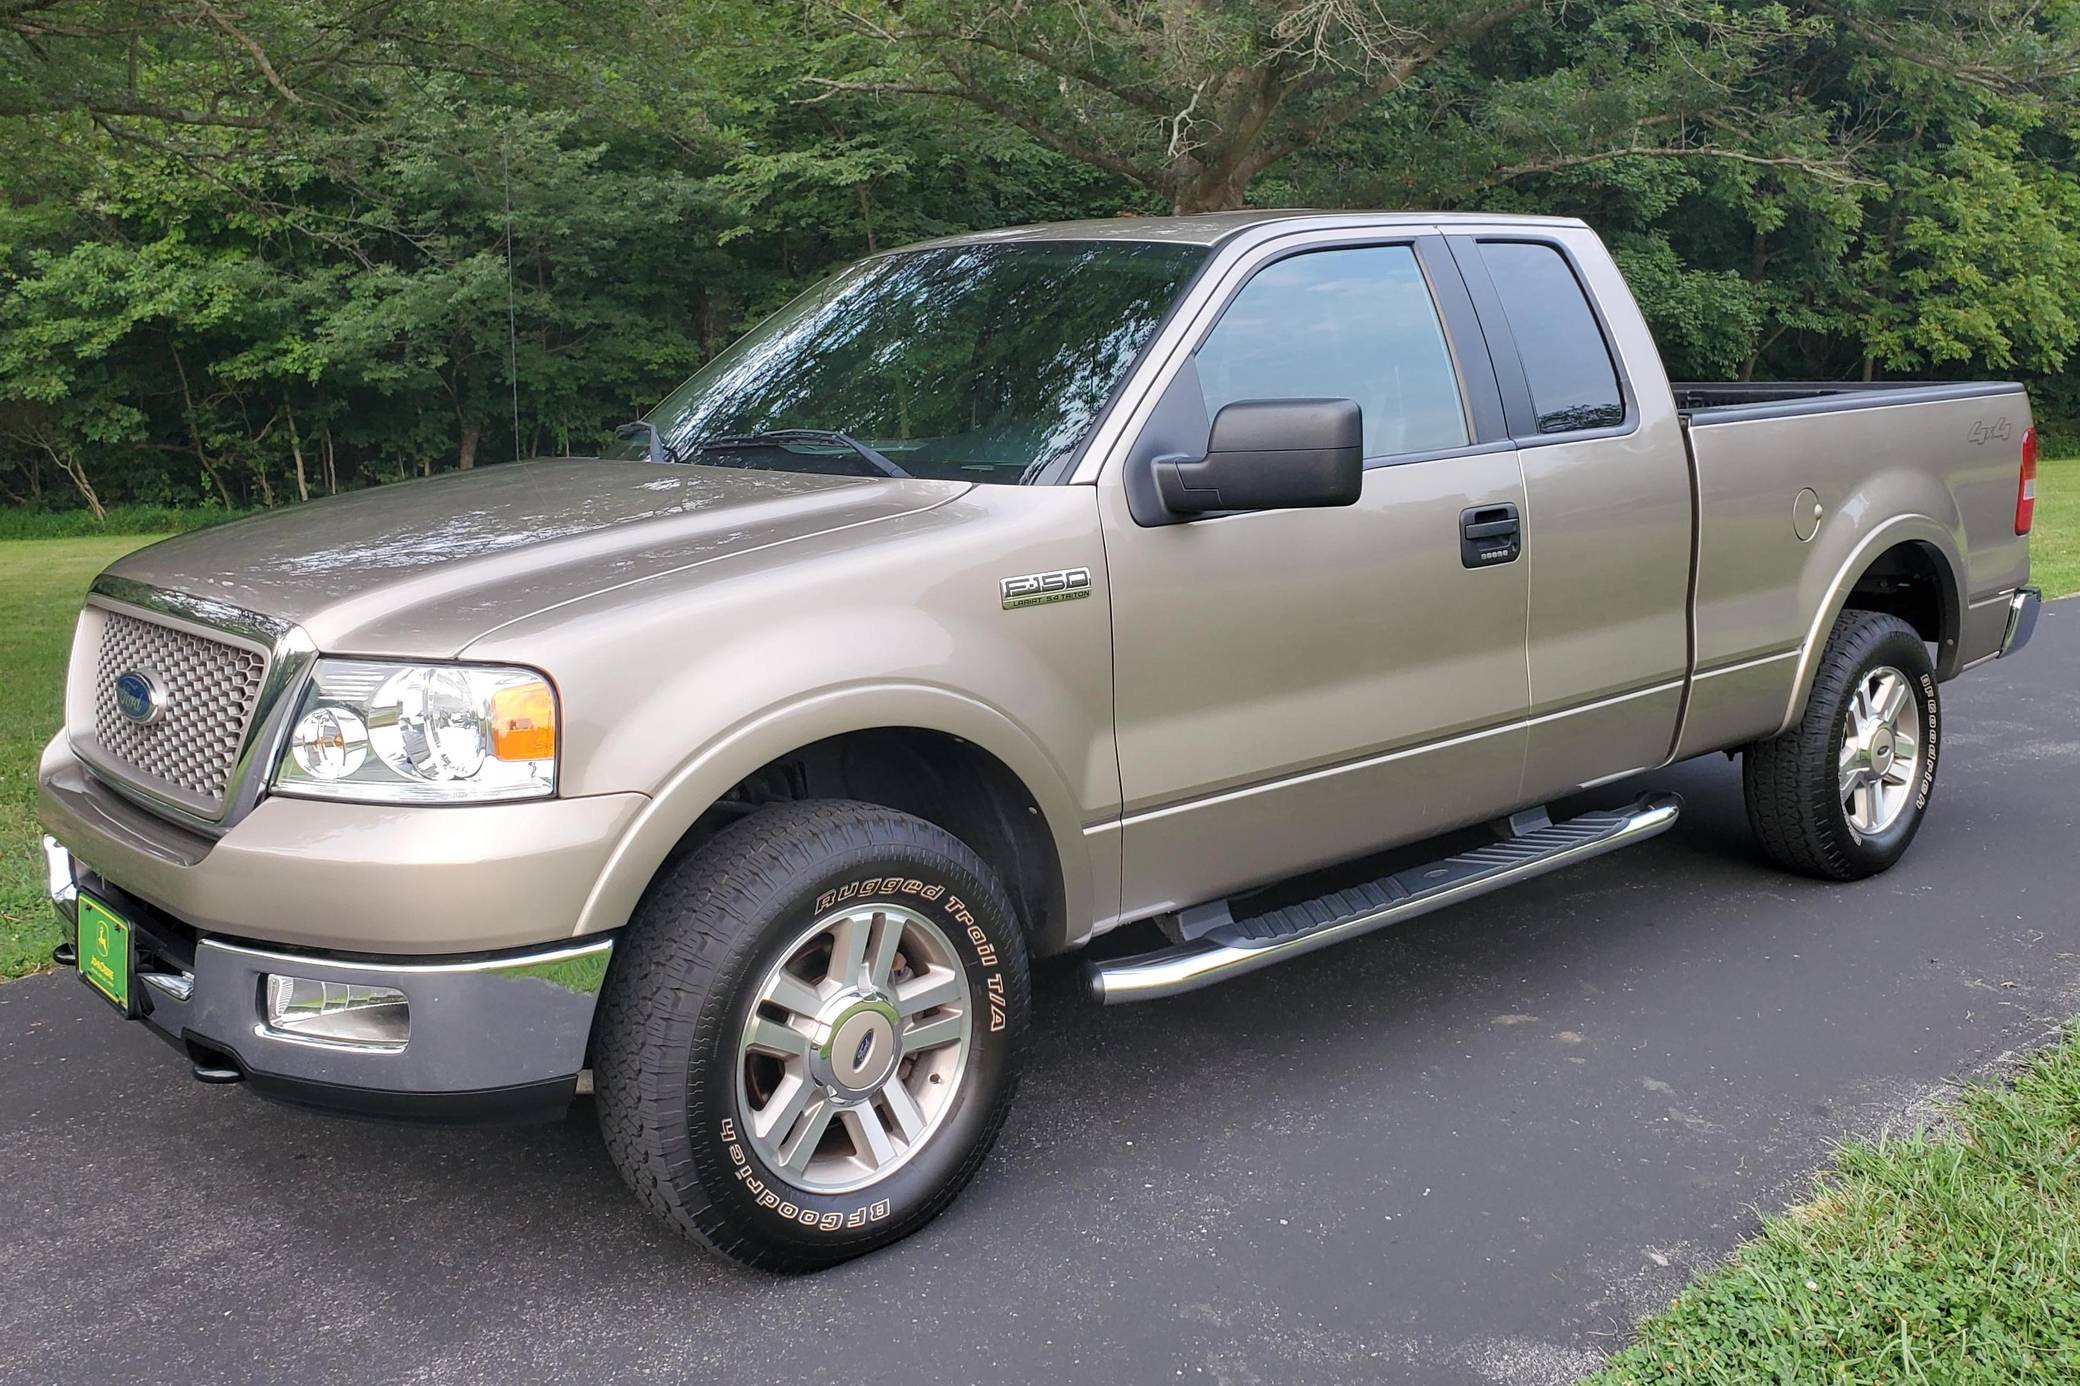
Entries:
{"x":104,"y":950}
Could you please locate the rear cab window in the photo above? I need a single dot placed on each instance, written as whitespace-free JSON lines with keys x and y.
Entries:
{"x":1567,"y":362}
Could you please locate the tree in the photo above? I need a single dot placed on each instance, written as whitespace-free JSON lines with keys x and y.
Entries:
{"x":1193,"y":101}
{"x":495,"y":228}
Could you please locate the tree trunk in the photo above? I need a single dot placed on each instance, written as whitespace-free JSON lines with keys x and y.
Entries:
{"x":303,"y":490}
{"x":1229,"y":194}
{"x":1216,"y":179}
{"x":331,"y":469}
{"x":70,"y":465}
{"x":209,"y":468}
{"x":467,"y":457}
{"x":866,"y":217}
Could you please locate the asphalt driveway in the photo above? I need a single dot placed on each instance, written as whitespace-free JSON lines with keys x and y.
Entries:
{"x":1474,"y":1149}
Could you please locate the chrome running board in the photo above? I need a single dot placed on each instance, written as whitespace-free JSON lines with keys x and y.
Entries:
{"x":1227,"y":946}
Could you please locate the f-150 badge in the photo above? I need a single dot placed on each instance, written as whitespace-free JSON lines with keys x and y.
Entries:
{"x":1037,"y":589}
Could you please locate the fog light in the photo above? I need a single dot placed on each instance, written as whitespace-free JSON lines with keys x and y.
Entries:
{"x":337,"y":1012}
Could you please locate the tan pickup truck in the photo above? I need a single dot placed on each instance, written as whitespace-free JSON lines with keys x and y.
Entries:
{"x":1252,"y":579}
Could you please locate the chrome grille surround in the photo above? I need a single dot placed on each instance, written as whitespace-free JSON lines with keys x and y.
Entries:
{"x":226,"y":674}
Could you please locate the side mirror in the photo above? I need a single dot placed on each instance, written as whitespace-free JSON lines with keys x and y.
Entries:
{"x":1270,"y":454}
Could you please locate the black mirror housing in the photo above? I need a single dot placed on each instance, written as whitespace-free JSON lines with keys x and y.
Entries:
{"x":1270,"y":454}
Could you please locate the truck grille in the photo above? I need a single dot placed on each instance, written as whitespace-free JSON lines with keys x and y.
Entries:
{"x":211,"y":689}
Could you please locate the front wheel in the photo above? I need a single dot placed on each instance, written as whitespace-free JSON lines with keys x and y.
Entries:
{"x":810,"y":1037}
{"x":1842,"y":793}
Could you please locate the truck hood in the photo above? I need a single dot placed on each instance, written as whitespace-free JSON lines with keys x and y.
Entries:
{"x":423,"y":568}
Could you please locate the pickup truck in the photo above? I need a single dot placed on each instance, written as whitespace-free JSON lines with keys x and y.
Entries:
{"x":1253,"y":579}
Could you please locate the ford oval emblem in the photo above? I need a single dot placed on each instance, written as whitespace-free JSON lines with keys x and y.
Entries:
{"x":866,"y":1047}
{"x":138,"y":696}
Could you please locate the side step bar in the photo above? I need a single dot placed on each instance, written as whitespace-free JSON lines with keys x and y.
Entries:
{"x":1232,"y":946}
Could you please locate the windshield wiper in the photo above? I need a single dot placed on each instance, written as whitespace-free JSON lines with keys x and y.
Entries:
{"x":774,"y":437}
{"x":659,"y":449}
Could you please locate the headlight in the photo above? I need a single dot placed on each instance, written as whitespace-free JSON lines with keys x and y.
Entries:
{"x":420,"y":734}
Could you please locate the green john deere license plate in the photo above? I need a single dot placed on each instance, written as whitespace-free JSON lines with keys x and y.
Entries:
{"x":104,"y":950}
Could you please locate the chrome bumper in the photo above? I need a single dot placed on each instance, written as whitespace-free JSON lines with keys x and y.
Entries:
{"x":500,"y":1037}
{"x":2022,"y":618}
{"x":59,"y":884}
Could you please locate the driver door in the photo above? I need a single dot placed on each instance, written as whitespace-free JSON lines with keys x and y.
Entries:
{"x":1297,"y":687}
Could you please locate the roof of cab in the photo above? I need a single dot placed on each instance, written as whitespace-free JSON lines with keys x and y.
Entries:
{"x":1211,"y":228}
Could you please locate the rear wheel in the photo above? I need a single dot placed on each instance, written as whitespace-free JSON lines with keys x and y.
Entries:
{"x":810,"y":1037}
{"x":1842,"y":793}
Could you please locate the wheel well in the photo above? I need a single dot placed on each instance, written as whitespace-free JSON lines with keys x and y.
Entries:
{"x":939,"y":778}
{"x":1913,"y":582}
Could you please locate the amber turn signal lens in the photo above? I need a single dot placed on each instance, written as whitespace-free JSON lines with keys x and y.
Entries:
{"x":523,"y":722}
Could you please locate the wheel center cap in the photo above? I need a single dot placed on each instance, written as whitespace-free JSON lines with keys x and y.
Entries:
{"x":1882,"y":750}
{"x":862,"y":1050}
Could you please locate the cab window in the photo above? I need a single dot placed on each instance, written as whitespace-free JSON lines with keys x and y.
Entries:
{"x":1342,"y":324}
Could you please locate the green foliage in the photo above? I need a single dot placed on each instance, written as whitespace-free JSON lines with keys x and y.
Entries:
{"x":116,"y":520}
{"x":251,"y":255}
{"x":1947,"y":1256}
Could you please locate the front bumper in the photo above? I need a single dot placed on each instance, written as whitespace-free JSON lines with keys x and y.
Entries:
{"x":2022,"y":618}
{"x":341,"y":877}
{"x":494,"y":1037}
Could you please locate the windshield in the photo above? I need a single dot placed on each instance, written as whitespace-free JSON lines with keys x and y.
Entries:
{"x":967,"y":363}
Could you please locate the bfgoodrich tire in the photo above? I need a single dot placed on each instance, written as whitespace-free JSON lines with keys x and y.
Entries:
{"x":1842,"y":793}
{"x":810,"y":1036}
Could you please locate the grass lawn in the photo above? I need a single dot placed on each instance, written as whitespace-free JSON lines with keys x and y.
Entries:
{"x":41,"y":583}
{"x":1945,"y":1257}
{"x":2054,"y":547}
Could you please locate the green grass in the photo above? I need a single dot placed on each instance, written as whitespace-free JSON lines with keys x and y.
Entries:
{"x":2054,"y":549}
{"x":1947,"y":1257}
{"x":41,"y":583}
{"x":121,"y":519}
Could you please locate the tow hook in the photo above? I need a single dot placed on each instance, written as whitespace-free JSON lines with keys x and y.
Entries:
{"x":211,"y":1065}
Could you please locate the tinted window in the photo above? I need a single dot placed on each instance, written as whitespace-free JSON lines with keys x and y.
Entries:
{"x":1342,"y":324}
{"x":1573,"y":384}
{"x":966,"y":363}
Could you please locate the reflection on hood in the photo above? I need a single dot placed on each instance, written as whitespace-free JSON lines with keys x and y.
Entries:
{"x":432,"y":563}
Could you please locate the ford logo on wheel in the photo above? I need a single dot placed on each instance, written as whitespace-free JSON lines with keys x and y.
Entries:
{"x":138,"y":696}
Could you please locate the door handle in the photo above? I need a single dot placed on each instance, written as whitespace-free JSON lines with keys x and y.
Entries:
{"x":1490,"y":534}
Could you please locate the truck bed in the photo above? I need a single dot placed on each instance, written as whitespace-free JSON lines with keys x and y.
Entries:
{"x":1800,"y":486}
{"x":1707,"y":402}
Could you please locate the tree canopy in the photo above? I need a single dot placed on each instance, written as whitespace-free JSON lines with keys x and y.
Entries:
{"x":252,"y":250}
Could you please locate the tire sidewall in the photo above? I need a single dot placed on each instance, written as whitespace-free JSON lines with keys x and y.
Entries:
{"x":976,"y":921}
{"x":1901,"y":649}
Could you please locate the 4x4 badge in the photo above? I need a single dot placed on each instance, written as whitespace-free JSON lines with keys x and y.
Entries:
{"x":1037,"y":589}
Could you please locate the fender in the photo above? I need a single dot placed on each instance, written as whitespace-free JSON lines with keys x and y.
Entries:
{"x":710,"y":772}
{"x":1898,"y":530}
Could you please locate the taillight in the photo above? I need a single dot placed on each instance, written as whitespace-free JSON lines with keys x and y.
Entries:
{"x":2026,"y":487}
